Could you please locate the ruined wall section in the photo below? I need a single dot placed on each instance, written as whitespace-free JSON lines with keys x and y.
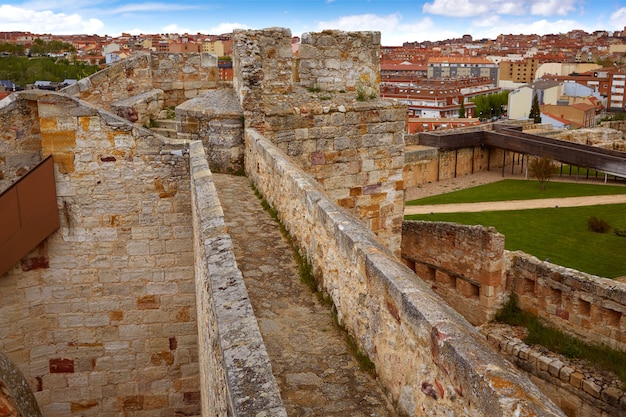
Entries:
{"x":183,"y":76}
{"x":353,"y":148}
{"x":216,"y":119}
{"x":101,"y":317}
{"x":463,"y":264}
{"x":428,"y":358}
{"x":334,"y":60}
{"x":584,"y":305}
{"x":20,"y":141}
{"x":469,"y":268}
{"x":263,"y":65}
{"x":179,"y":76}
{"x":569,"y":383}
{"x":119,"y":81}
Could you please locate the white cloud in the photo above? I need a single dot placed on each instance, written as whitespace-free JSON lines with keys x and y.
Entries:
{"x":472,"y":8}
{"x":150,"y":7}
{"x":18,"y":19}
{"x":362,"y":22}
{"x":511,"y":8}
{"x":617,"y":20}
{"x":493,"y":21}
{"x":539,"y":27}
{"x":225,"y":27}
{"x":553,"y":7}
{"x":457,"y":8}
{"x":174,"y":28}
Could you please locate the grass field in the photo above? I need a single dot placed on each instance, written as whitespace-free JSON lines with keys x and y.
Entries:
{"x":507,"y":190}
{"x":560,"y":235}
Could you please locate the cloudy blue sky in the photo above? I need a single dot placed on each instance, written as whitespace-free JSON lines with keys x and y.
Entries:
{"x":398,"y":20}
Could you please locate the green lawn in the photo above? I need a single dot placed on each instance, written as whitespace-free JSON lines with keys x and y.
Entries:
{"x":507,"y":190}
{"x":558,"y":234}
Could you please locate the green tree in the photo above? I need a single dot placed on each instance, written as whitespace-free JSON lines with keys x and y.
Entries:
{"x":543,"y":169}
{"x":490,"y":105}
{"x":462,"y":110}
{"x":535,"y":111}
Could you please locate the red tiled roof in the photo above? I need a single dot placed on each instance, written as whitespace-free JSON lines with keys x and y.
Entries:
{"x":459,"y":60}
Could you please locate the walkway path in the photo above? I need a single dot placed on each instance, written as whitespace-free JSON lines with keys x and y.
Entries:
{"x":315,"y":372}
{"x":516,"y":205}
{"x":480,"y":178}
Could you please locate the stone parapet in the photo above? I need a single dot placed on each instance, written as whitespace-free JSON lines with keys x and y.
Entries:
{"x":236,"y":374}
{"x":463,"y":264}
{"x":20,"y":140}
{"x":180,"y":76}
{"x":215,"y":118}
{"x":428,"y":358}
{"x":100,"y":318}
{"x":334,"y":60}
{"x":141,"y":109}
{"x":576,"y":390}
{"x":126,"y":78}
{"x":584,"y":305}
{"x":16,"y":396}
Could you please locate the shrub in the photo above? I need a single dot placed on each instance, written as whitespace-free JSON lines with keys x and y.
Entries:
{"x":598,"y":225}
{"x":620,"y":231}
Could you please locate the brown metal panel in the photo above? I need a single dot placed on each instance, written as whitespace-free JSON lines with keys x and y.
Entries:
{"x":9,"y":215}
{"x":28,"y":214}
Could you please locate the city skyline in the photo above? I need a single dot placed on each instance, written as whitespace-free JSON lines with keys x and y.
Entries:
{"x":398,"y":21}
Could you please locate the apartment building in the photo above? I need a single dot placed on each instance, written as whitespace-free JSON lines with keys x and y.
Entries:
{"x":404,"y":72}
{"x":213,"y":46}
{"x":617,"y":81}
{"x":521,"y":99}
{"x":576,"y":115}
{"x":519,"y":71}
{"x":462,"y":67}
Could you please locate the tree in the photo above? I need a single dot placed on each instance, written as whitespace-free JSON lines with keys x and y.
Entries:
{"x":491,"y":104}
{"x":543,"y":169}
{"x":462,"y":111}
{"x":535,"y":111}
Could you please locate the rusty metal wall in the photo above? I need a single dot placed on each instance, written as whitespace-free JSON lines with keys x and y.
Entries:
{"x":28,"y":214}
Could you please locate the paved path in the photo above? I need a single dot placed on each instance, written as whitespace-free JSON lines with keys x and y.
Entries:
{"x":516,"y":205}
{"x":316,"y":374}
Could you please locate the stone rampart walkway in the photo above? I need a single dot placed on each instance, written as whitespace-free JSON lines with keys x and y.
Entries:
{"x":315,"y":372}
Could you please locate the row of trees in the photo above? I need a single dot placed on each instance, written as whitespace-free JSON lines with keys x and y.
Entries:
{"x":39,"y":47}
{"x":23,"y":70}
{"x":10,"y":49}
{"x":488,"y":106}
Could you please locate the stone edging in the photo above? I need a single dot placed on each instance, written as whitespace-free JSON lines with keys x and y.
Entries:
{"x":236,"y":374}
{"x":558,"y":371}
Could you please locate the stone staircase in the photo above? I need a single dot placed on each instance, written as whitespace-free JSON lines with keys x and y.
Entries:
{"x":166,"y":127}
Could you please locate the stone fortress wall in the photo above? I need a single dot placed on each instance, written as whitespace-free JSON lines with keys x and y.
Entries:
{"x":353,"y":148}
{"x":469,"y":268}
{"x":100,"y":317}
{"x":103,"y":320}
{"x":428,"y":358}
{"x":417,"y":344}
{"x":138,"y":88}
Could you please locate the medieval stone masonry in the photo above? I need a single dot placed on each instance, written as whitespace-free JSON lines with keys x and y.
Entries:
{"x":135,"y":305}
